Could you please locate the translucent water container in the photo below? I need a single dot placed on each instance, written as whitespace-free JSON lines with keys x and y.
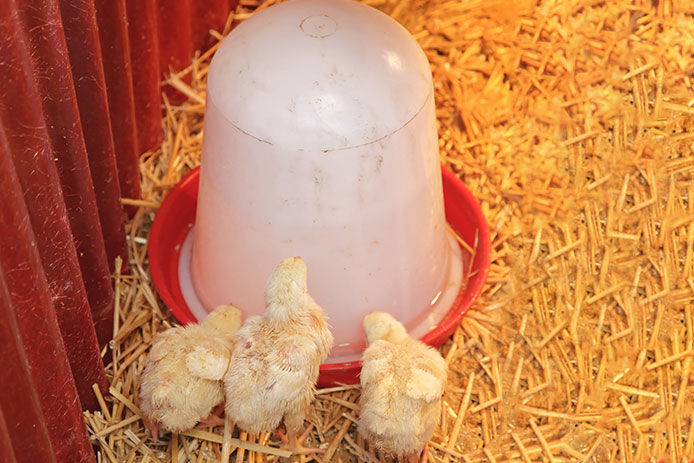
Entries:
{"x":320,"y":141}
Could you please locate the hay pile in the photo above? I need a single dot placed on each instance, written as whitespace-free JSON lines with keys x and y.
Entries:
{"x":573,"y":123}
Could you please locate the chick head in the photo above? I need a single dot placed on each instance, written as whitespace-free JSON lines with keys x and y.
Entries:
{"x":287,"y":285}
{"x":381,"y":325}
{"x":225,"y":319}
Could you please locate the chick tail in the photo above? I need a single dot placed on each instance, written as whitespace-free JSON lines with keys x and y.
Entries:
{"x":226,"y":443}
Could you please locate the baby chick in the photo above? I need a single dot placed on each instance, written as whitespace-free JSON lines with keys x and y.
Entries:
{"x":181,"y":381}
{"x":275,"y":360}
{"x":402,"y":381}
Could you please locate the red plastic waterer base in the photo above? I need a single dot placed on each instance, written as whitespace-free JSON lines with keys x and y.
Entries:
{"x":176,"y":217}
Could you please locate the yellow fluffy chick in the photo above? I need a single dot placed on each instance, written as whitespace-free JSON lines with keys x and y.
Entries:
{"x":181,"y":381}
{"x":402,"y":381}
{"x":276,"y":356}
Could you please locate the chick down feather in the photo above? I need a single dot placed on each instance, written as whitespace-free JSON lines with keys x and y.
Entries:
{"x":181,"y":381}
{"x":402,"y":382}
{"x":276,"y":357}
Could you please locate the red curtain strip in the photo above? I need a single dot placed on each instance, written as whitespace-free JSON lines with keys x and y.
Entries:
{"x":27,"y":311}
{"x":6,"y":452}
{"x":25,"y":436}
{"x":57,"y":94}
{"x":115,"y":52}
{"x":82,"y":39}
{"x":175,"y":42}
{"x":144,"y":56}
{"x":211,"y":15}
{"x":184,"y":26}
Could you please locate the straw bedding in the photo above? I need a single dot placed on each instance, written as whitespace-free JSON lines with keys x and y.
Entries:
{"x":573,"y":124}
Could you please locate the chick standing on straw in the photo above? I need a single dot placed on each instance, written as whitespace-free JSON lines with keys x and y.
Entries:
{"x":181,"y":381}
{"x":274,"y":364}
{"x":402,"y":382}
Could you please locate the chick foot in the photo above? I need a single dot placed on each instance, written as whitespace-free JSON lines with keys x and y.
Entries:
{"x":150,"y":424}
{"x":210,"y":422}
{"x":422,"y":457}
{"x":213,"y":419}
{"x":414,"y":458}
{"x":425,"y":454}
{"x":153,"y":428}
{"x":293,"y":442}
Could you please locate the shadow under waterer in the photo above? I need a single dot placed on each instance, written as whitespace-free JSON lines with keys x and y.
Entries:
{"x":320,"y":141}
